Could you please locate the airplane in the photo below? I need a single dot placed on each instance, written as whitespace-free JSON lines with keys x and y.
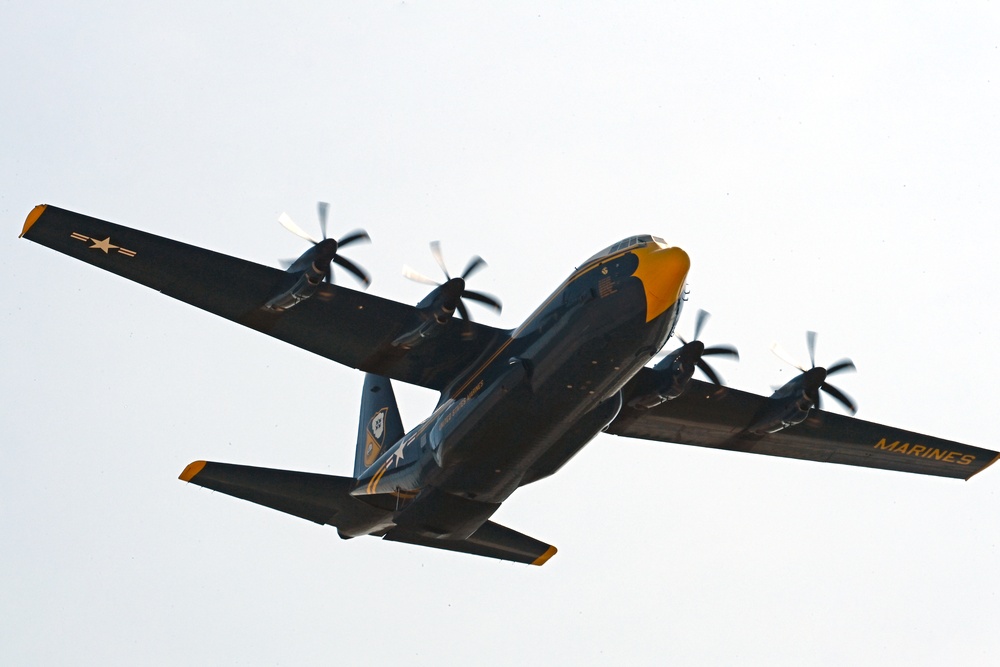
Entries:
{"x":515,"y":405}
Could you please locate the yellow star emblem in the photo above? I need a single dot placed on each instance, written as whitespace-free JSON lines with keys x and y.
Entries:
{"x":104,"y":245}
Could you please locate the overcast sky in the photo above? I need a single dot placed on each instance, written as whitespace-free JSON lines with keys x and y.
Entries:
{"x":831,"y":168}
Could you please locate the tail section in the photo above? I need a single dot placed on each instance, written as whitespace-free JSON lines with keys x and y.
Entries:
{"x":380,"y":425}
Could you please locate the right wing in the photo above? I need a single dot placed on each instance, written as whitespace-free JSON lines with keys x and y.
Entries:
{"x":707,"y":415}
{"x":350,"y":327}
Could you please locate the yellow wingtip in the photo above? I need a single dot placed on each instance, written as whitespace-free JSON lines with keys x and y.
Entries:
{"x":549,"y":553}
{"x":192,"y":470}
{"x":32,"y":218}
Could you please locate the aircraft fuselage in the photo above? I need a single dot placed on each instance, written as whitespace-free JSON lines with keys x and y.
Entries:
{"x":526,"y":408}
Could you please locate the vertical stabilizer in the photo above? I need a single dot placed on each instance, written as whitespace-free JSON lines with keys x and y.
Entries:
{"x":380,"y":425}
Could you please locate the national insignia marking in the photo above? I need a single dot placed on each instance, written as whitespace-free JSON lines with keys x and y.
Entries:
{"x":106,"y":245}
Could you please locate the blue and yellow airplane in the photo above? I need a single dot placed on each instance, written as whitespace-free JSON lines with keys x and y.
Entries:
{"x":515,"y":405}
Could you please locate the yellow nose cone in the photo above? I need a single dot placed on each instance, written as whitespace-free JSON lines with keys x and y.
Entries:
{"x":663,"y":272}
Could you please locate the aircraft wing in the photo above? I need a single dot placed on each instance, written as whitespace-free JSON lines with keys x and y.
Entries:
{"x":350,"y":327}
{"x":707,"y":415}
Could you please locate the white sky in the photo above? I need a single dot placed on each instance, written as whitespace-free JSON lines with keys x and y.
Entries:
{"x":827,"y":168}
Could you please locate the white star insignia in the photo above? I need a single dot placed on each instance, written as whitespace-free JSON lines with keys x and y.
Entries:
{"x":104,"y":245}
{"x":398,"y":455}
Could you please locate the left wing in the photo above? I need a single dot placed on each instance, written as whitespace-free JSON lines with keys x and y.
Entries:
{"x":350,"y":327}
{"x":707,"y":415}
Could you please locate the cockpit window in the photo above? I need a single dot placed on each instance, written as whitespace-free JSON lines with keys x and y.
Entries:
{"x":625,"y":244}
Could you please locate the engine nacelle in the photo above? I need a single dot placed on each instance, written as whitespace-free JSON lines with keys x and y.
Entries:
{"x":667,"y":391}
{"x":304,"y":287}
{"x":672,"y":376}
{"x":314,"y":267}
{"x":789,"y":414}
{"x":434,"y":312}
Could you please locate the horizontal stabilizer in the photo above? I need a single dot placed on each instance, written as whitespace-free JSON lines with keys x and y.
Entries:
{"x":324,"y":499}
{"x":491,"y":540}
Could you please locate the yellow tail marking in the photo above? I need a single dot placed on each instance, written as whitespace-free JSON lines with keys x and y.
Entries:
{"x":33,"y":217}
{"x":373,"y":484}
{"x":549,"y":553}
{"x":192,"y":471}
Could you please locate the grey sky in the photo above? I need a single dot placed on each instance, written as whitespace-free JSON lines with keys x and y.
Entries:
{"x":827,"y":168}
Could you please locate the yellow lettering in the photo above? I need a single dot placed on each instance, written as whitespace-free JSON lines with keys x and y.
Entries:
{"x":951,"y":457}
{"x":936,"y":454}
{"x":966,"y":459}
{"x":902,"y":449}
{"x":918,"y":450}
{"x":881,"y":444}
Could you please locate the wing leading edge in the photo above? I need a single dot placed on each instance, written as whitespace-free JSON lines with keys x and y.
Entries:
{"x":350,"y":327}
{"x":707,"y":415}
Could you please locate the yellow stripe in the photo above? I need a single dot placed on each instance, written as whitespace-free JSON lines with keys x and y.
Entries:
{"x":33,"y":217}
{"x":373,"y":484}
{"x":192,"y":471}
{"x":549,"y":553}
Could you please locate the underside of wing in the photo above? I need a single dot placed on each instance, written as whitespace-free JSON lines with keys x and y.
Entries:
{"x":350,"y":327}
{"x":707,"y":415}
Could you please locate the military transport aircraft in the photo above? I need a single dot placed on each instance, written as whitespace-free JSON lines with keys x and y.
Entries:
{"x":515,"y":405}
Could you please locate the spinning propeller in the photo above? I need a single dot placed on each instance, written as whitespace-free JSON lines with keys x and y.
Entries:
{"x":694,"y":351}
{"x":456,"y":284}
{"x":820,"y":372}
{"x":326,"y":250}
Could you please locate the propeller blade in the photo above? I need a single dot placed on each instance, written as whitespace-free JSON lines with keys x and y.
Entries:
{"x":439,"y":258}
{"x":699,"y":323}
{"x":418,"y":277}
{"x":474,"y":265}
{"x":840,"y":366}
{"x":290,"y":225}
{"x":463,"y":311}
{"x":811,"y":344}
{"x":844,"y":399}
{"x":485,"y":299}
{"x":724,"y":350}
{"x":779,"y":352}
{"x":353,"y":237}
{"x":350,"y":266}
{"x":322,"y":208}
{"x":709,"y":371}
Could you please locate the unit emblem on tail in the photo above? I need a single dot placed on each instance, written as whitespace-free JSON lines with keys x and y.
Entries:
{"x":376,"y":436}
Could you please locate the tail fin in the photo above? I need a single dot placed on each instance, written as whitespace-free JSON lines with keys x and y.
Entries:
{"x":380,"y":425}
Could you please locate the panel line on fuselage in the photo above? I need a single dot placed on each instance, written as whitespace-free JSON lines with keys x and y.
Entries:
{"x":578,"y":273}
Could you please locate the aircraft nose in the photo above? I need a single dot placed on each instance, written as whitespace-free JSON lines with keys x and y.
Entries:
{"x":663,"y":272}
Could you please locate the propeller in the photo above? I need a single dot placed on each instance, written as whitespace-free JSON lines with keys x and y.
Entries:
{"x":838,"y":367}
{"x":695,"y":351}
{"x":475,"y":264}
{"x":328,"y":247}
